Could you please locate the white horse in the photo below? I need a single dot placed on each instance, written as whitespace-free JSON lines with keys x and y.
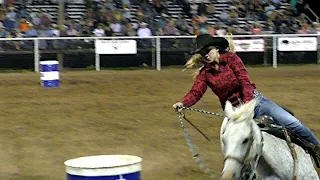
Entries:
{"x":243,"y":144}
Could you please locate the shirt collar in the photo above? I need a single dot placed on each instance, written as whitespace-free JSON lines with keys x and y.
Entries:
{"x":208,"y":66}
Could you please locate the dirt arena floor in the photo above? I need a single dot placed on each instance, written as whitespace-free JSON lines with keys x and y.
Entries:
{"x":128,"y":112}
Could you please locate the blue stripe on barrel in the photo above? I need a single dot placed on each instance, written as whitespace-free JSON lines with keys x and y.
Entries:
{"x":49,"y":73}
{"x":130,"y":176}
{"x":104,"y":167}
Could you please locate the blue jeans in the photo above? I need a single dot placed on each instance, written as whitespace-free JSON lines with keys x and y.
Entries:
{"x":283,"y":118}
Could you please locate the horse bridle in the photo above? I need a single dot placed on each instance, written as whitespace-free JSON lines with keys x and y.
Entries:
{"x":244,"y":160}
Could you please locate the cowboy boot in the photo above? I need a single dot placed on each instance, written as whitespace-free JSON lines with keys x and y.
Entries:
{"x":316,"y":149}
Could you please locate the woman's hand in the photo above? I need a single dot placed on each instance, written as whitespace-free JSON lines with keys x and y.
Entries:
{"x":178,"y":106}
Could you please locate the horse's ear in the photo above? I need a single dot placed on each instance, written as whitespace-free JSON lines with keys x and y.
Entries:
{"x":228,"y":109}
{"x":250,"y":107}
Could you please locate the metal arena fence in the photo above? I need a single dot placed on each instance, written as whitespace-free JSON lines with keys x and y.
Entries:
{"x":156,"y":51}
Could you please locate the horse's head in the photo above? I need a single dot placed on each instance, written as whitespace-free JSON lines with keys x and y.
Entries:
{"x":240,"y":139}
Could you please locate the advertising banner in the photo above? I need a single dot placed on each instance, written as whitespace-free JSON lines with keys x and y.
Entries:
{"x":297,"y":43}
{"x":249,"y":45}
{"x":116,"y":46}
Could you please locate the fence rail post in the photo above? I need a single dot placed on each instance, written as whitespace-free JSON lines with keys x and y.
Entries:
{"x":274,"y":57}
{"x":97,"y":57}
{"x":158,"y":49}
{"x":36,"y":55}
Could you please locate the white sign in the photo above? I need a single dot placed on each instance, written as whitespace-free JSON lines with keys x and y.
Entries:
{"x":116,"y":46}
{"x":297,"y":44}
{"x":249,"y":45}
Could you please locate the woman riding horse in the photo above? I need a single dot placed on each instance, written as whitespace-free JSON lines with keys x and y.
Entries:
{"x":224,"y":72}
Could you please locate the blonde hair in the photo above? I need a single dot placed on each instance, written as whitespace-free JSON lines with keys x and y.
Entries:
{"x":231,"y":43}
{"x":196,"y":59}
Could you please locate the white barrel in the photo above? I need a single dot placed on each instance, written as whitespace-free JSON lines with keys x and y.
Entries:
{"x":49,"y":71}
{"x":104,"y":167}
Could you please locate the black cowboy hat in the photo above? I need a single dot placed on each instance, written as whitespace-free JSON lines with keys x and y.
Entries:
{"x":205,"y":40}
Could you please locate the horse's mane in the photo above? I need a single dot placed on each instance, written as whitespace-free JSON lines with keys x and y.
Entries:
{"x":244,"y":111}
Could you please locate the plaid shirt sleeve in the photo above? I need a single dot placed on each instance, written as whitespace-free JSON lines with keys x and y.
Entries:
{"x":198,"y":89}
{"x":236,"y":64}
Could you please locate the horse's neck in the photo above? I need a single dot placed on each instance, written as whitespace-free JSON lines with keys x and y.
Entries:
{"x":257,"y":145}
{"x":276,"y":160}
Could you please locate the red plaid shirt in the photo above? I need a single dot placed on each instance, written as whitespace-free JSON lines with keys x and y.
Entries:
{"x":230,"y":82}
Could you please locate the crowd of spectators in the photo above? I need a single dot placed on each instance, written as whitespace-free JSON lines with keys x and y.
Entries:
{"x":117,"y":18}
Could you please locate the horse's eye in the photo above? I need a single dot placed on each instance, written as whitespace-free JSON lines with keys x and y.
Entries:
{"x":245,"y":141}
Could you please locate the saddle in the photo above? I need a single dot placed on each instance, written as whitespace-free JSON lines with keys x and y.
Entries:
{"x":266,"y":124}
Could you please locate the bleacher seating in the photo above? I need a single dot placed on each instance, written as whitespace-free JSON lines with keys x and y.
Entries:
{"x":74,"y":11}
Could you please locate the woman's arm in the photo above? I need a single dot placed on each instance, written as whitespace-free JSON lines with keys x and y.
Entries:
{"x":198,"y":89}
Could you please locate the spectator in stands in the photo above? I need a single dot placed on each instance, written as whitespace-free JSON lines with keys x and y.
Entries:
{"x":23,"y":25}
{"x":22,"y":13}
{"x":193,"y":8}
{"x":36,"y":20}
{"x":162,"y":22}
{"x":144,"y":31}
{"x":116,"y":27}
{"x":186,"y":7}
{"x":99,"y":31}
{"x":210,"y":9}
{"x":233,"y":18}
{"x":3,"y":32}
{"x":11,"y":14}
{"x":210,"y":30}
{"x":231,"y":30}
{"x":86,"y":31}
{"x":256,"y":10}
{"x":202,"y":18}
{"x":109,"y":5}
{"x":9,"y":23}
{"x":277,"y":3}
{"x":224,"y":17}
{"x":108,"y":31}
{"x":31,"y":32}
{"x":129,"y":31}
{"x":47,"y":31}
{"x":170,"y":29}
{"x":196,"y":29}
{"x":158,"y":6}
{"x":256,"y":29}
{"x":72,"y":31}
{"x":202,"y":8}
{"x":126,"y":3}
{"x":55,"y":30}
{"x":126,"y":13}
{"x":269,"y":9}
{"x":46,"y":18}
{"x":238,"y":30}
{"x":304,"y":29}
{"x":203,"y":29}
{"x":220,"y":31}
{"x":63,"y":31}
{"x":184,"y":27}
{"x":240,"y":9}
{"x":159,"y":32}
{"x":117,"y":15}
{"x":101,"y":17}
{"x":270,"y":25}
